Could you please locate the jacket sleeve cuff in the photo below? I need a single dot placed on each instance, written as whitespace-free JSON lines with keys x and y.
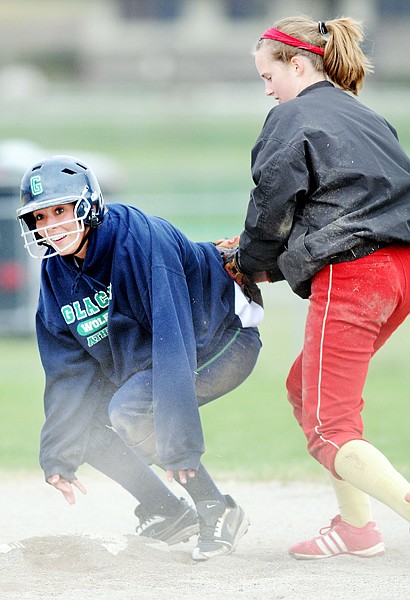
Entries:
{"x":63,"y":471}
{"x":184,"y":464}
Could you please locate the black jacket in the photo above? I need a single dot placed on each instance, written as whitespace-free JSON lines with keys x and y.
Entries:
{"x":332,"y":184}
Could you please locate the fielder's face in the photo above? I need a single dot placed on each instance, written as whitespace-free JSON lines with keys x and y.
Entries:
{"x":61,"y":229}
{"x":281,"y":79}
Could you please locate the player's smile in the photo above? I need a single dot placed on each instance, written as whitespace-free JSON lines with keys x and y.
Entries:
{"x":60,"y":228}
{"x":56,"y":238}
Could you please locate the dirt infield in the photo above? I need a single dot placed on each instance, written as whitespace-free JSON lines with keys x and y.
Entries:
{"x":88,"y":551}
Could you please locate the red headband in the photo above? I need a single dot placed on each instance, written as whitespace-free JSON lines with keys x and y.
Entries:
{"x":279,"y":36}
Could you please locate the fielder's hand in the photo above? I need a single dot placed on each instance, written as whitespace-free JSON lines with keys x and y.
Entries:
{"x":228,"y":248}
{"x":227,"y":243}
{"x":66,"y":487}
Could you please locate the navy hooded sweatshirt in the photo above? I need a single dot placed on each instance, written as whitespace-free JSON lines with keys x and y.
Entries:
{"x":145,"y":297}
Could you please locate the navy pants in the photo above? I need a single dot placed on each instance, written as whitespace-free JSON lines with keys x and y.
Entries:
{"x":131,"y":408}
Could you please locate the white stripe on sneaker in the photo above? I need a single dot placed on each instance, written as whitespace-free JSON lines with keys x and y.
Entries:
{"x":323,"y":548}
{"x":331,"y":543}
{"x":338,"y":540}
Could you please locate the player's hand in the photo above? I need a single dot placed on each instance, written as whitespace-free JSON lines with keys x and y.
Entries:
{"x":66,"y":487}
{"x":227,"y":243}
{"x":227,"y":249}
{"x":182,"y":475}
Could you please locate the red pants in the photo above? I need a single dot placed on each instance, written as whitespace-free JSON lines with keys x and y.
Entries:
{"x":354,"y":308}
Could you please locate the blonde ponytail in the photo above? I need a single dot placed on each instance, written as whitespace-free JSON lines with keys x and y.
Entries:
{"x":343,"y":61}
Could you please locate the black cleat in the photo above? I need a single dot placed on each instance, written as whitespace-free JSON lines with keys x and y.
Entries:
{"x":170,"y":529}
{"x":221,"y":524}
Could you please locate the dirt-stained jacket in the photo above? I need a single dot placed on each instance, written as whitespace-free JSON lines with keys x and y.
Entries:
{"x":332,"y":183}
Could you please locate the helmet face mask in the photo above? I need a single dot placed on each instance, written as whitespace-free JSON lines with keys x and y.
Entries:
{"x":38,"y":239}
{"x":55,"y":181}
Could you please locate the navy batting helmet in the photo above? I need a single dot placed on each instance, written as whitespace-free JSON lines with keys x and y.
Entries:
{"x":54,"y":181}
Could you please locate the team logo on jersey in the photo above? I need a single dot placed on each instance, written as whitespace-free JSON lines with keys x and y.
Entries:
{"x":94,"y":324}
{"x":89,"y":316}
{"x":35,"y":185}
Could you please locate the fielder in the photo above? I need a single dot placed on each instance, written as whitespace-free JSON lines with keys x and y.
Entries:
{"x":137,"y":327}
{"x":330,"y":213}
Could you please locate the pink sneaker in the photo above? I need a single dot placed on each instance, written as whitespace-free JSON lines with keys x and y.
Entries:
{"x":341,"y":538}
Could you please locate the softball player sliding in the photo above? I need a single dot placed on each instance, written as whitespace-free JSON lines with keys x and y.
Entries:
{"x":137,"y":326}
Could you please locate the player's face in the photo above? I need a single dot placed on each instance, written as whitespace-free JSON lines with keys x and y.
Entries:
{"x":61,"y":229}
{"x":279,"y":77}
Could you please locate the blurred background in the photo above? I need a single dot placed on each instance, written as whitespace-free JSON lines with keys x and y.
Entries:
{"x":162,"y":99}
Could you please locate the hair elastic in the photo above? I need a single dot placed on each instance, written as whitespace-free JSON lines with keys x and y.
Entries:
{"x":279,"y":36}
{"x":322,"y":28}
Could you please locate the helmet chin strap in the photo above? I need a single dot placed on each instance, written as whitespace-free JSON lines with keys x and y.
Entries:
{"x":83,"y":241}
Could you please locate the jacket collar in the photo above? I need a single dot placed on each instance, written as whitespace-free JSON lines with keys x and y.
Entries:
{"x":314,"y":86}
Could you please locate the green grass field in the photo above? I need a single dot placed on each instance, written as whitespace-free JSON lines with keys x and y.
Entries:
{"x":250,"y":433}
{"x":199,"y":168}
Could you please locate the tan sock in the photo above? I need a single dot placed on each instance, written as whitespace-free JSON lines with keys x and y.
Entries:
{"x":354,"y":505}
{"x":366,"y":468}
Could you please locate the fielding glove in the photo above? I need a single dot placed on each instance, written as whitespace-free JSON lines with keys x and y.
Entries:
{"x":228,"y":249}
